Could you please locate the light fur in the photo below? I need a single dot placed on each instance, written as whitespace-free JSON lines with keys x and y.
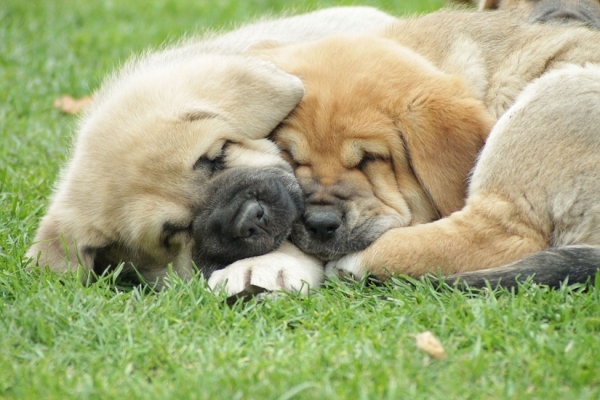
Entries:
{"x":508,"y":52}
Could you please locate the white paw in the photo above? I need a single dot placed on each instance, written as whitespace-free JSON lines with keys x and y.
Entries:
{"x":349,"y":265}
{"x":287,"y":269}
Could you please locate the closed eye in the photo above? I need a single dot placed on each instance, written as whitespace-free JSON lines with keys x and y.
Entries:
{"x":213,"y":164}
{"x":367,"y":159}
{"x":171,"y":231}
{"x":287,"y":156}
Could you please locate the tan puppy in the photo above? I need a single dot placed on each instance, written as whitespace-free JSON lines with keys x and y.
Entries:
{"x":536,"y":184}
{"x":382,"y":139}
{"x":377,"y":143}
{"x":152,"y":161}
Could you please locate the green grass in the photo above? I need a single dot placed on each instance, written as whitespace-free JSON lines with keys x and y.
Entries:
{"x":59,"y":339}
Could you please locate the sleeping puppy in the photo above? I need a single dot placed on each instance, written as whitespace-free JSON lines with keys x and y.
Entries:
{"x":533,"y":197}
{"x":171,"y":165}
{"x":382,"y":139}
{"x":391,"y":123}
{"x":585,"y":12}
{"x":163,"y":164}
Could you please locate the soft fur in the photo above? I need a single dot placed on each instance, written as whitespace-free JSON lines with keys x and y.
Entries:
{"x":496,"y":54}
{"x":391,"y":125}
{"x":382,"y":139}
{"x":152,"y":160}
{"x":535,"y":186}
{"x":244,"y":212}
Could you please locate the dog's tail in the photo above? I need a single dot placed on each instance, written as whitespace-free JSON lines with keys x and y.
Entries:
{"x":552,"y":267}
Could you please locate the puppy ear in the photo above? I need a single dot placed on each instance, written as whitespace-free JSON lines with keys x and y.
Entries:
{"x":443,"y":128}
{"x":271,"y":95}
{"x":255,"y":95}
{"x":61,"y":249}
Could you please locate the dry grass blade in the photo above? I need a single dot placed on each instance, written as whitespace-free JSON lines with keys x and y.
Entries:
{"x":71,"y":105}
{"x":427,"y":342}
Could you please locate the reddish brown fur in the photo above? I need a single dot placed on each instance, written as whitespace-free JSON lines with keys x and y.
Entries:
{"x":490,"y":231}
{"x":365,"y":95}
{"x":391,"y":103}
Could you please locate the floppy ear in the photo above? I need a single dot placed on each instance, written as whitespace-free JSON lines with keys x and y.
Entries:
{"x":252,"y":94}
{"x":58,"y":247}
{"x":256,"y":95}
{"x":443,"y":128}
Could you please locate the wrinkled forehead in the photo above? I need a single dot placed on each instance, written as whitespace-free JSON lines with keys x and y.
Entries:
{"x":212,"y":138}
{"x":349,"y":143}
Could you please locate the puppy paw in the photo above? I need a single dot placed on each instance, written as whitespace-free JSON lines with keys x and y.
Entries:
{"x":285,"y":269}
{"x":349,"y":266}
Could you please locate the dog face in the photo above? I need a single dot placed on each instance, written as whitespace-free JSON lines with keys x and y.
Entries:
{"x":381,"y":139}
{"x":246,"y":212}
{"x":157,"y":149}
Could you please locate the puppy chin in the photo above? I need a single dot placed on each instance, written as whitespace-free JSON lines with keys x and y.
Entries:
{"x":345,"y":240}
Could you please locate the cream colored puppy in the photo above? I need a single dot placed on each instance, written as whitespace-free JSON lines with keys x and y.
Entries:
{"x":150,"y":156}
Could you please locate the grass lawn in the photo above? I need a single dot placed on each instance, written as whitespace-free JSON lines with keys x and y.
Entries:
{"x":59,"y":339}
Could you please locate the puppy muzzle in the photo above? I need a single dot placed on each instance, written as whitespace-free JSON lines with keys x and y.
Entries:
{"x":246,"y":212}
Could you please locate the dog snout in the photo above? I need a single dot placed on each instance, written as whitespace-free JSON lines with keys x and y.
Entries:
{"x":250,"y":220}
{"x":323,"y":223}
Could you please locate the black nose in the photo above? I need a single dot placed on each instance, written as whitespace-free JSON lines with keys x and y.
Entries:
{"x":322,"y":224}
{"x":250,"y":219}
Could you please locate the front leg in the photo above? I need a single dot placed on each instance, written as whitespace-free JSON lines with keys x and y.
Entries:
{"x":350,"y":266}
{"x":490,"y":231}
{"x":286,"y":268}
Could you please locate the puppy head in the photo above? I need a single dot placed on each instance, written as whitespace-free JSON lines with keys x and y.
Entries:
{"x":246,"y":212}
{"x":381,"y":139}
{"x":154,"y":139}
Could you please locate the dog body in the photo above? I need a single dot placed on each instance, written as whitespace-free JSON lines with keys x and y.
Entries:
{"x":495,"y":53}
{"x":171,"y":166}
{"x":393,"y":137}
{"x":535,"y":186}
